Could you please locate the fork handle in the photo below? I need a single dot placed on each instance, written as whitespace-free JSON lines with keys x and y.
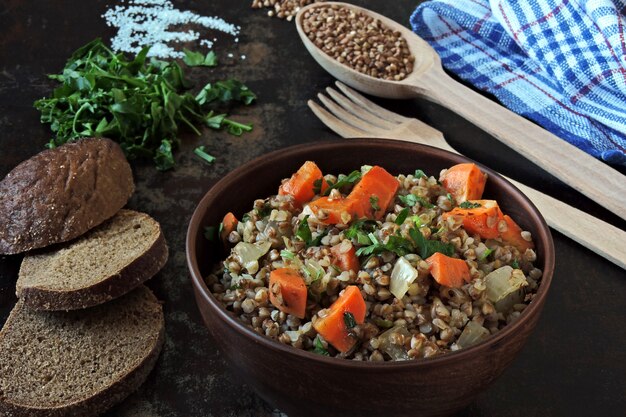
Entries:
{"x":571,"y":165}
{"x":591,"y":232}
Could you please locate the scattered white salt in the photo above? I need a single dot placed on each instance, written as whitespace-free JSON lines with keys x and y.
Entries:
{"x":152,"y":22}
{"x":230,"y":55}
{"x":243,"y":57}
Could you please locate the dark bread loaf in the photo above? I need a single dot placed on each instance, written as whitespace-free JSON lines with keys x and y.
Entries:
{"x":61,"y":193}
{"x":105,"y":263}
{"x":78,"y":363}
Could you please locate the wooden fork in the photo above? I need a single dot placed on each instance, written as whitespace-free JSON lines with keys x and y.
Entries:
{"x":354,"y":116}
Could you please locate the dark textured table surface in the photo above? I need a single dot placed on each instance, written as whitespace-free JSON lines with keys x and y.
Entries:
{"x":573,"y":364}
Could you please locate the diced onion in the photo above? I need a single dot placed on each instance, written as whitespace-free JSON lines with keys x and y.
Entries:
{"x":472,"y":334}
{"x":504,"y":281}
{"x":402,"y":276}
{"x":397,"y":351}
{"x":249,"y":253}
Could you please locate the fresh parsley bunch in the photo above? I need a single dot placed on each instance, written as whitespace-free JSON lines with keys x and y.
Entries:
{"x":141,"y":103}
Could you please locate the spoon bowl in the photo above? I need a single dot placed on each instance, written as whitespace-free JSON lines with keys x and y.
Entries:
{"x":425,"y":58}
{"x":571,"y":165}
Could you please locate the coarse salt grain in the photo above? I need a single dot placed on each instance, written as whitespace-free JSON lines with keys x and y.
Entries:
{"x":150,"y":22}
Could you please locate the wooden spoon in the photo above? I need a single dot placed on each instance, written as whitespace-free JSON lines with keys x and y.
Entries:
{"x":571,"y":165}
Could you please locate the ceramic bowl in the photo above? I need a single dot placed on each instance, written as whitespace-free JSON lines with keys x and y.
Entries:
{"x":301,"y":383}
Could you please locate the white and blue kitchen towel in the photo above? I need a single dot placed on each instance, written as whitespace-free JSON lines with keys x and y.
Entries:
{"x":561,"y":63}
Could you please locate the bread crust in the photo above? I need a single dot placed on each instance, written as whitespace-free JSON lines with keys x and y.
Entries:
{"x":103,"y":400}
{"x":61,"y":193}
{"x":121,"y":282}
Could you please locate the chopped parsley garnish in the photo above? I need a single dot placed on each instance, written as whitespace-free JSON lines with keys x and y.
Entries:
{"x":402,"y":216}
{"x":202,"y":154}
{"x":427,"y":247}
{"x":515,"y":264}
{"x":196,"y":59}
{"x":411,"y":200}
{"x":485,"y":254}
{"x":374,"y":203}
{"x":342,"y":181}
{"x":469,"y":205}
{"x":419,"y":174}
{"x":359,"y":230}
{"x":319,"y":347}
{"x":287,"y":255}
{"x":317,"y":185}
{"x":348,"y":319}
{"x":142,"y":103}
{"x":264,"y":211}
{"x":402,"y":246}
{"x":304,"y":231}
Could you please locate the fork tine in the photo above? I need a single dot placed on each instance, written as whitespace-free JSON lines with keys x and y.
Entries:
{"x":339,"y":127}
{"x":346,"y":116}
{"x":370,"y":106}
{"x":359,"y":111}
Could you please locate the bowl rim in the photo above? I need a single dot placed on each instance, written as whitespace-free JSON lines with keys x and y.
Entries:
{"x":460,"y":355}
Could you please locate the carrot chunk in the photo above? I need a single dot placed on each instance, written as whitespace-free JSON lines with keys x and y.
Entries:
{"x":373,"y":193}
{"x":333,"y":326}
{"x":451,"y":272}
{"x":229,"y":223}
{"x":464,"y":182}
{"x":327,"y":211}
{"x":301,"y":185}
{"x":482,"y":220}
{"x":513,"y":235}
{"x":288,"y":291}
{"x":346,"y":261}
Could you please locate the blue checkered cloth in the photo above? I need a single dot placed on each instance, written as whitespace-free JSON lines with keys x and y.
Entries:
{"x":561,"y":64}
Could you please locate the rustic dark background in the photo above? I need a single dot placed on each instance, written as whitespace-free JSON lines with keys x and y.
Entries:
{"x":575,"y":362}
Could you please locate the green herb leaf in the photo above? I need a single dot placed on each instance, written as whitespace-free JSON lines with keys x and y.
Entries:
{"x":202,"y":154}
{"x":374,"y":203}
{"x":469,"y":205}
{"x":163,"y":157}
{"x":515,"y":264}
{"x":412,"y":199}
{"x":196,"y":59}
{"x":485,"y":254}
{"x":343,"y":180}
{"x":304,"y":232}
{"x":348,"y":319}
{"x":401,"y":217}
{"x":419,"y":174}
{"x":319,"y":347}
{"x":317,"y":185}
{"x":427,"y":247}
{"x":287,"y":255}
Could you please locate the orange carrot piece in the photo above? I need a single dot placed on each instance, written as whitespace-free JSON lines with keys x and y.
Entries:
{"x":229,"y":223}
{"x":333,"y":327}
{"x":464,"y":182}
{"x":338,"y":210}
{"x":288,"y":291}
{"x":302,"y":183}
{"x":373,"y":193}
{"x":513,"y":235}
{"x":451,"y":272}
{"x":481,"y":220}
{"x":346,"y":261}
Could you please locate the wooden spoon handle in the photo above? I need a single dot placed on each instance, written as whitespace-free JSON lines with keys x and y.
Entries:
{"x":571,"y":165}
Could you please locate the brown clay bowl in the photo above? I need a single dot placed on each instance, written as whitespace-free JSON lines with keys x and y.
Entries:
{"x":301,"y":383}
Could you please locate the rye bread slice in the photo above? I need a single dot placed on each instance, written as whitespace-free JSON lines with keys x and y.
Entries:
{"x":103,"y":264}
{"x":59,"y":194}
{"x":78,"y":363}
